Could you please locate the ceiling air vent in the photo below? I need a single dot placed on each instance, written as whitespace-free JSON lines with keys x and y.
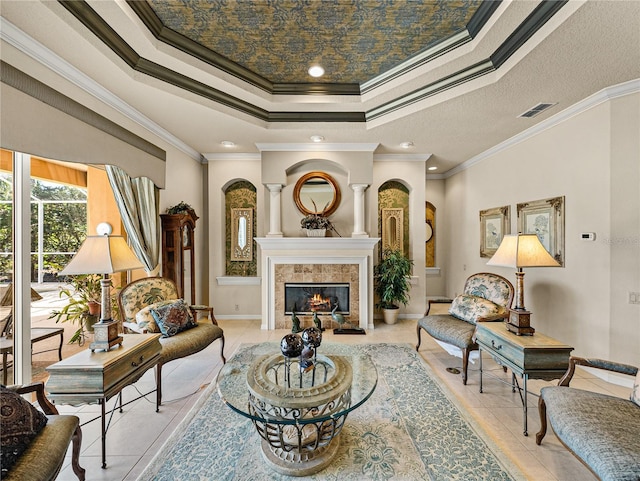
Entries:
{"x":533,"y":111}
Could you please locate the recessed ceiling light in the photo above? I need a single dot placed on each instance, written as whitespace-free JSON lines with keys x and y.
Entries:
{"x":317,"y":138}
{"x":316,"y":71}
{"x":228,"y":143}
{"x":406,"y":145}
{"x":433,"y":167}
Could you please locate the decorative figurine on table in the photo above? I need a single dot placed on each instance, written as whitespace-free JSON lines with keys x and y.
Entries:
{"x":340,"y":319}
{"x":311,"y":338}
{"x":317,"y":321}
{"x":295,"y":322}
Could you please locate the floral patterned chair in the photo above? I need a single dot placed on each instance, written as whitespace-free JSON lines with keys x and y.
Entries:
{"x":486,"y":297}
{"x":151,"y":304}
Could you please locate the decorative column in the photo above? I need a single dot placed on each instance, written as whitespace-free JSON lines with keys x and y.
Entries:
{"x":275,"y":208}
{"x":358,"y":210}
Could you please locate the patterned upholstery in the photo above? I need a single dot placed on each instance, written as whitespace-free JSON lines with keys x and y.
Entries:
{"x":45,"y":456}
{"x":486,"y":297}
{"x":150,"y":290}
{"x":603,"y":431}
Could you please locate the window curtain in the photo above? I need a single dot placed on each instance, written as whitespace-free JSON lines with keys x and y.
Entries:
{"x":138,"y":201}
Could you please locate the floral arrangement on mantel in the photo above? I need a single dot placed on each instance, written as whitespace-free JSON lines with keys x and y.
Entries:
{"x":317,"y":221}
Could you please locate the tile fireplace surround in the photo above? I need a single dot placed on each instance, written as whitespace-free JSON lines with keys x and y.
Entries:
{"x":324,"y":259}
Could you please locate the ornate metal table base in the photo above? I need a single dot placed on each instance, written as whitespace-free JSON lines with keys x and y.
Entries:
{"x":306,"y":463}
{"x":299,"y":426}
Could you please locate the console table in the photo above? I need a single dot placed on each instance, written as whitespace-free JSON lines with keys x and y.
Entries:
{"x":95,"y":377}
{"x":530,"y":357}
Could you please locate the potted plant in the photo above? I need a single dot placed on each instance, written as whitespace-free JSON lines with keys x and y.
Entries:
{"x":180,"y":208}
{"x":83,"y":295}
{"x":392,"y":286}
{"x":317,"y":223}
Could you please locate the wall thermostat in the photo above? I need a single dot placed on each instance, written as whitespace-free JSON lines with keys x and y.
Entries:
{"x":588,"y":236}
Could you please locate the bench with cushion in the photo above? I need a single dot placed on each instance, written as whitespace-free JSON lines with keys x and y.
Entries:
{"x":151,"y":304}
{"x":486,"y":297}
{"x":34,"y":445}
{"x":601,"y":430}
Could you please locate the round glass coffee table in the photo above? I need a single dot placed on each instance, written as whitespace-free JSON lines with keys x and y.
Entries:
{"x":298,"y":408}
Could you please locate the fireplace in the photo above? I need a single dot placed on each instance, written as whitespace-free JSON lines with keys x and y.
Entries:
{"x":317,"y":260}
{"x":322,"y":297}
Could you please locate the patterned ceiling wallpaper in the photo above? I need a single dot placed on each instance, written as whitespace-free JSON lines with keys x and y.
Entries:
{"x":354,"y":40}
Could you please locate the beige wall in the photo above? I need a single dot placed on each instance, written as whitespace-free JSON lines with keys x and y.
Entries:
{"x":593,"y":160}
{"x":225,"y":298}
{"x":436,"y":279}
{"x":285,"y":168}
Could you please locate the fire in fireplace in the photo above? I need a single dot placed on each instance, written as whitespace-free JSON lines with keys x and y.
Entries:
{"x":322,"y":297}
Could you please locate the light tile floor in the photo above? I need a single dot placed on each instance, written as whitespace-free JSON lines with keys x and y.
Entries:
{"x":138,"y":433}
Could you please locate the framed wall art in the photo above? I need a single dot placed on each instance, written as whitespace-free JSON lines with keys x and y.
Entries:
{"x":546,"y":219}
{"x":241,"y":234}
{"x":494,"y":224}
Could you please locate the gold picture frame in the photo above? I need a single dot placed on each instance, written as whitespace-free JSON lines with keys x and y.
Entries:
{"x":494,"y":224}
{"x":545,"y":218}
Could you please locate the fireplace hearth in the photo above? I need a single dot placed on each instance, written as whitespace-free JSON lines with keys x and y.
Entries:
{"x":322,"y":297}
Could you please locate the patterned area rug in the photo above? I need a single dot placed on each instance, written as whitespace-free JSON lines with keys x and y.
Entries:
{"x":410,"y":429}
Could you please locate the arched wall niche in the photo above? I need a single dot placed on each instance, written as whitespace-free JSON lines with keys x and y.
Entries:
{"x":393,"y":216}
{"x":342,"y":215}
{"x":430,"y":234}
{"x":240,"y":204}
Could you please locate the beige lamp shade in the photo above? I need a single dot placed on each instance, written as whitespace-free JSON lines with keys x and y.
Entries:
{"x":522,"y":250}
{"x":102,"y":254}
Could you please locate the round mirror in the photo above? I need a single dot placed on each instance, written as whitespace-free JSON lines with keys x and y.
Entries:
{"x":316,"y":192}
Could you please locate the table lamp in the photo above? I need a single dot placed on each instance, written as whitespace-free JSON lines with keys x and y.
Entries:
{"x":103,"y":254}
{"x":521,"y":250}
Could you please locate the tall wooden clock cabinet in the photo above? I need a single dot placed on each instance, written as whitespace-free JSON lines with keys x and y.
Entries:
{"x":178,"y":251}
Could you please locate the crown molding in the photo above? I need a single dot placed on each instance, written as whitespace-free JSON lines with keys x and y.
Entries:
{"x":401,"y":157}
{"x":317,"y":147}
{"x":34,"y":49}
{"x":214,"y":156}
{"x":604,"y":95}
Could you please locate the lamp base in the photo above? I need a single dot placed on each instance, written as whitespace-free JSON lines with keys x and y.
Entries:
{"x":520,"y":322}
{"x":105,"y":335}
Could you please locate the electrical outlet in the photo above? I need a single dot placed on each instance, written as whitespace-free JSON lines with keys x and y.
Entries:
{"x":237,"y":307}
{"x":634,"y":297}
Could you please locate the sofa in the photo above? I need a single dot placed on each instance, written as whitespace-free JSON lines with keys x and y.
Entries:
{"x":143,"y":300}
{"x":601,"y":430}
{"x":486,"y":297}
{"x":46,"y":446}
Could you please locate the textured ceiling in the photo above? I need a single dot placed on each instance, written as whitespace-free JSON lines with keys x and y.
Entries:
{"x":457,"y":101}
{"x":354,"y":41}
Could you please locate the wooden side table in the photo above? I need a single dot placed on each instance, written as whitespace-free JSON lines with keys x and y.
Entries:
{"x":95,"y":377}
{"x":530,"y":357}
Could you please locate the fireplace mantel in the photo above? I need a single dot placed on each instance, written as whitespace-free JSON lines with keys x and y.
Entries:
{"x":317,"y":250}
{"x":317,"y":243}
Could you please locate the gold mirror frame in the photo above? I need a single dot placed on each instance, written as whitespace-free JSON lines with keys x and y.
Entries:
{"x":298,"y":192}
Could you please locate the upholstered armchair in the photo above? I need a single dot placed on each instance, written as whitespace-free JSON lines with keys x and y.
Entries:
{"x":152,"y":305}
{"x":40,"y":450}
{"x":601,"y":430}
{"x":486,"y":297}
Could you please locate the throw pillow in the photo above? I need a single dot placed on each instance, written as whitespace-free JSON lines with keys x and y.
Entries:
{"x":20,"y":423}
{"x":473,"y":308}
{"x":635,"y":393}
{"x":144,"y":318}
{"x":173,"y":318}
